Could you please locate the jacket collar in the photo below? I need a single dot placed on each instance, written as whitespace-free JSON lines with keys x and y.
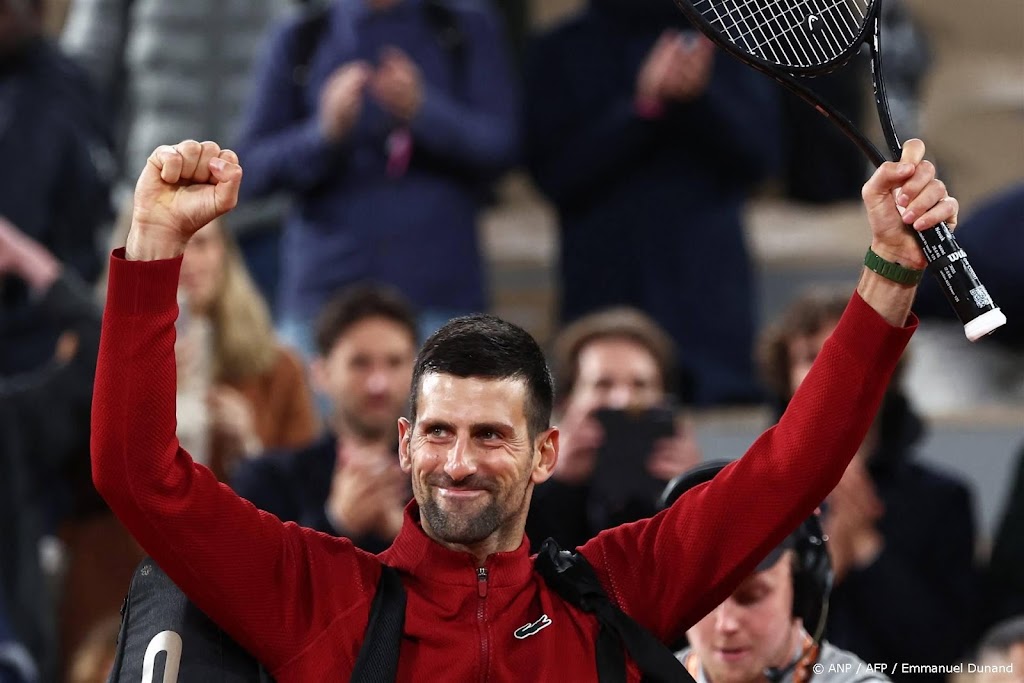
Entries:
{"x":415,"y":553}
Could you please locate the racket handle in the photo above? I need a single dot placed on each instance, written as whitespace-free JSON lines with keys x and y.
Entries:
{"x":965,"y":293}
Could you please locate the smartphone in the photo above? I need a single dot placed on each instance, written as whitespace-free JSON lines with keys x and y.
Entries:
{"x":621,"y":486}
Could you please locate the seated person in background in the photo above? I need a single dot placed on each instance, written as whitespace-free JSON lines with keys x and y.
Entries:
{"x":618,"y":359}
{"x":349,"y":483}
{"x":769,"y":629}
{"x":1001,"y":653}
{"x":901,"y":534}
{"x":240,"y":392}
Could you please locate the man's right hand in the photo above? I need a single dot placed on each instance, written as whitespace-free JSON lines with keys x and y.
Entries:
{"x":181,"y":189}
{"x":341,"y":99}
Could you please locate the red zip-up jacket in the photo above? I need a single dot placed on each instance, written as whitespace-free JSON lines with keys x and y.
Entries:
{"x":299,"y":600}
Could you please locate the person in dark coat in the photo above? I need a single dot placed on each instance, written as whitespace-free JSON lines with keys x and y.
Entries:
{"x":58,"y":192}
{"x":44,"y":425}
{"x":648,"y":142}
{"x":616,"y":360}
{"x":348,"y":483}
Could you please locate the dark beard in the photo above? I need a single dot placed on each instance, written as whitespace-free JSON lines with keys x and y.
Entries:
{"x":452,"y":529}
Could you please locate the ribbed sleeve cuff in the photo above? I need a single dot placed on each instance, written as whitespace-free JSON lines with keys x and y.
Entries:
{"x":142,"y":286}
{"x":865,"y":333}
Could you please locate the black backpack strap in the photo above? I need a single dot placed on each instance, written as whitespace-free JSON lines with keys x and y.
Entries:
{"x":572,"y":577}
{"x":378,"y":657}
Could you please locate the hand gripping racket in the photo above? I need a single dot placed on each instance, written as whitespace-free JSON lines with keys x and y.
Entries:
{"x":789,"y":38}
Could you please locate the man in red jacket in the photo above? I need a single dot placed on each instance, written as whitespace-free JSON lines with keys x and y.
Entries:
{"x":477,"y":442}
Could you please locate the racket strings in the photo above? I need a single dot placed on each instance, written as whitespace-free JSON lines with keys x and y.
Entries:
{"x":794,"y":33}
{"x":806,"y":46}
{"x":829,"y":50}
{"x":825,"y":52}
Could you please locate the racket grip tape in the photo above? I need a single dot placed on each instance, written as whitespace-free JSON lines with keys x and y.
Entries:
{"x":970,"y":300}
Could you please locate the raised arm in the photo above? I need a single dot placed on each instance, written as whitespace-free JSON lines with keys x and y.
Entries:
{"x":272,"y":586}
{"x":713,"y":536}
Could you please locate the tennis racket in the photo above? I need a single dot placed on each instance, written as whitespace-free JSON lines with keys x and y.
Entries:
{"x":786,"y":39}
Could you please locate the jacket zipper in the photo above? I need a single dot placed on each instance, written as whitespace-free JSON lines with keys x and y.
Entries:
{"x":481,"y":619}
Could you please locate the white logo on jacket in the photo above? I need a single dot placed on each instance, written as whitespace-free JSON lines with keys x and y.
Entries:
{"x":527,"y":630}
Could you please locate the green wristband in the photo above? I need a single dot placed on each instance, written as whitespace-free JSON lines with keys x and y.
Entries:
{"x":892,"y":271}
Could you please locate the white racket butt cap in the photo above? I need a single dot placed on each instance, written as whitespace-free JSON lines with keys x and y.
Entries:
{"x":984,"y":324}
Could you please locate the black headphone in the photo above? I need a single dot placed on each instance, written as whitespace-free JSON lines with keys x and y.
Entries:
{"x":812,"y":571}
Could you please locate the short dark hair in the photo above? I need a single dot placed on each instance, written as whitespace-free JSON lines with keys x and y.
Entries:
{"x":621,"y":322}
{"x":358,"y":302}
{"x":488,"y":347}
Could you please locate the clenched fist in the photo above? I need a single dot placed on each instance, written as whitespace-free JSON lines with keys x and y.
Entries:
{"x":181,"y":189}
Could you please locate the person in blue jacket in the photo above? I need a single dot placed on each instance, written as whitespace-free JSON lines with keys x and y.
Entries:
{"x":402,"y":113}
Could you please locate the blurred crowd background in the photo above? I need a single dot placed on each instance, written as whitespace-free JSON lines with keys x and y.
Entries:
{"x":679,"y":232}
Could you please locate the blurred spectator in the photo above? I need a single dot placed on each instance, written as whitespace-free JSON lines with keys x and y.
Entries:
{"x":946,"y":372}
{"x":1005,"y":578}
{"x":349,"y":484}
{"x":404,"y":113}
{"x":618,"y":359}
{"x":44,"y":424}
{"x":1001,"y":652}
{"x":769,"y":629}
{"x":177,"y":70}
{"x":901,"y":534}
{"x":648,"y":142}
{"x":249,"y":393}
{"x":94,"y":659}
{"x":57,"y":192}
